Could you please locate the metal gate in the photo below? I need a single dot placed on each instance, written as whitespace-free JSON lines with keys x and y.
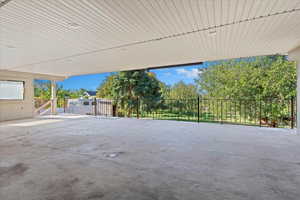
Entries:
{"x":97,"y":106}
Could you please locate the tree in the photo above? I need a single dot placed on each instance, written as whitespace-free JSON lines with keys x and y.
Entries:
{"x":256,"y":78}
{"x":42,"y":93}
{"x":105,"y":88}
{"x":182,"y":90}
{"x":129,"y":87}
{"x":180,"y":96}
{"x":80,"y":92}
{"x":42,"y":89}
{"x":269,"y":81}
{"x":164,"y":90}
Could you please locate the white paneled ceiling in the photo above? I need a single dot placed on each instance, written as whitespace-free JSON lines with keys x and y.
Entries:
{"x":72,"y":37}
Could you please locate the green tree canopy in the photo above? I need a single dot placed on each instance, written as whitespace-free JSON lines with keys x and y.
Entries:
{"x":182,"y":90}
{"x":129,"y":86}
{"x":42,"y":92}
{"x":164,"y":90}
{"x":255,"y":78}
{"x":105,"y":88}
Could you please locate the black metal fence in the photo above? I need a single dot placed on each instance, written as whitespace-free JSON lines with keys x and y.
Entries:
{"x":263,"y":112}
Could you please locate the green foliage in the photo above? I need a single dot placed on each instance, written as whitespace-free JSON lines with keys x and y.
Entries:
{"x":183,"y":91}
{"x":77,"y":93}
{"x":105,"y":88}
{"x":268,"y":81}
{"x":42,"y":91}
{"x":130,"y":86}
{"x":256,"y":78}
{"x":174,"y":95}
{"x":164,"y":90}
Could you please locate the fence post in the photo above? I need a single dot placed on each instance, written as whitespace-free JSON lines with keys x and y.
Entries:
{"x":64,"y":104}
{"x":221,"y":111}
{"x":260,"y":112}
{"x":116,"y":108}
{"x":292,"y":112}
{"x":95,"y":104}
{"x":137,"y":108}
{"x":198,"y":106}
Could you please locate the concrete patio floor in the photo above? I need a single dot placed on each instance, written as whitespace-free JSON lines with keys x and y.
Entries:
{"x":70,"y":157}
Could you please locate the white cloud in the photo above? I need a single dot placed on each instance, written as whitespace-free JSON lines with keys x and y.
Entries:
{"x":193,"y":73}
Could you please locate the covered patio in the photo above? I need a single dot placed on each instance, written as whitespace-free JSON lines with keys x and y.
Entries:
{"x":82,"y":157}
{"x":57,"y":39}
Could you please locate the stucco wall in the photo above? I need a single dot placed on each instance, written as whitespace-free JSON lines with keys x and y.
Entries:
{"x":12,"y":109}
{"x":18,"y":109}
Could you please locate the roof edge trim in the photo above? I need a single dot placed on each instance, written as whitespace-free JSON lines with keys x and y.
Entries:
{"x":31,"y":75}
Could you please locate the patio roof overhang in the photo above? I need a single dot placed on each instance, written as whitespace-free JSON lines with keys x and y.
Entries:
{"x":73,"y":37}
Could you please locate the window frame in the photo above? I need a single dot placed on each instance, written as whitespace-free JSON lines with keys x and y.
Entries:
{"x":17,"y":81}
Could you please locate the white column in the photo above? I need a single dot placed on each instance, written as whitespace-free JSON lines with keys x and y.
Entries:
{"x":53,"y":98}
{"x":294,"y":55}
{"x":298,"y":94}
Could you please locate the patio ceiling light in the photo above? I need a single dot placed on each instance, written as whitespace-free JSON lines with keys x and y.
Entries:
{"x":212,"y":32}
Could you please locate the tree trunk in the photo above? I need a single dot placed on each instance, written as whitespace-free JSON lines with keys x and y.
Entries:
{"x":129,"y":113}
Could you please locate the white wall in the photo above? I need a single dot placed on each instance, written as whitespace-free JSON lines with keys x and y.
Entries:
{"x":18,"y":109}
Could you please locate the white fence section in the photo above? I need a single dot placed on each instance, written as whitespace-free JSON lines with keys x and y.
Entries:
{"x":90,"y":107}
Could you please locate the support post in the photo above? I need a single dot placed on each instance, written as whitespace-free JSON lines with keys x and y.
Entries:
{"x":64,"y":104}
{"x":221,"y":111}
{"x":198,"y":108}
{"x":137,"y":108}
{"x":53,"y":98}
{"x":292,"y":113}
{"x":294,"y":55}
{"x":298,"y":96}
{"x":260,"y":112}
{"x":95,"y":106}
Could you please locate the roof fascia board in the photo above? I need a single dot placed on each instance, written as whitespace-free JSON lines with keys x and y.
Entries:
{"x":32,"y":75}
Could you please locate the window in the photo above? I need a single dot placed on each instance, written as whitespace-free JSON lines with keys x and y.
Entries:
{"x":11,"y":90}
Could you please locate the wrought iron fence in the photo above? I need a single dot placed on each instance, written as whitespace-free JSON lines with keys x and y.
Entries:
{"x":262,"y":112}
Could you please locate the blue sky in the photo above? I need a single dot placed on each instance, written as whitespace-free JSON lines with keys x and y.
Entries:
{"x":169,"y":76}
